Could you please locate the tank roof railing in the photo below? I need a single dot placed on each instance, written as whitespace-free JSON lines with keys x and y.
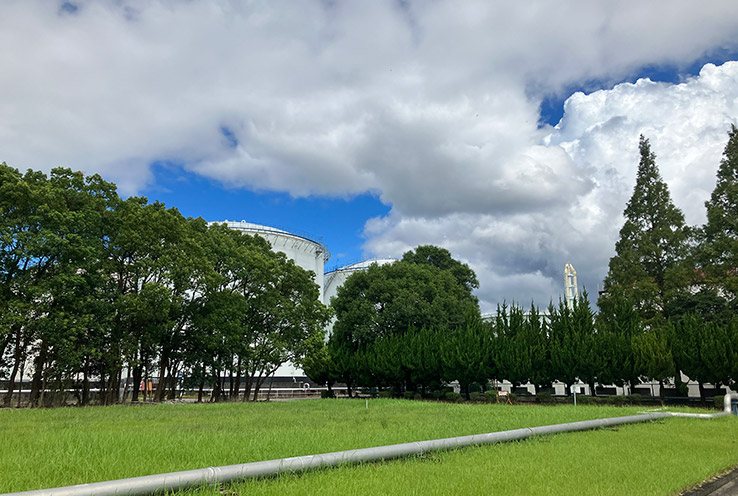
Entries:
{"x":254,"y":227}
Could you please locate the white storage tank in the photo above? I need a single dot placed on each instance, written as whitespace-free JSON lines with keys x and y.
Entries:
{"x":335,"y":278}
{"x":303,"y":250}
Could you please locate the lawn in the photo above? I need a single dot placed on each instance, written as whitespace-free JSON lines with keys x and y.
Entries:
{"x":49,"y":448}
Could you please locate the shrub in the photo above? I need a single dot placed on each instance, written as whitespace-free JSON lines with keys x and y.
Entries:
{"x":409,"y":395}
{"x":453,"y":397}
{"x":436,"y":394}
{"x":490,"y":396}
{"x":475,"y":387}
{"x":636,"y":398}
{"x":618,"y":400}
{"x":327,"y":394}
{"x":418,"y":396}
{"x":585,"y":400}
{"x":683,"y":389}
{"x":719,"y":401}
{"x":513,"y":397}
{"x":385,"y":394}
{"x":544,"y":397}
{"x":475,"y":396}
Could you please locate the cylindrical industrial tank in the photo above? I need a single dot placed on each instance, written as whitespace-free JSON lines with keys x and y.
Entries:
{"x":335,"y":278}
{"x":306,"y":252}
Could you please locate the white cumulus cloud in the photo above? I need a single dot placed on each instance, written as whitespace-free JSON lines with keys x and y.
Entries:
{"x":433,"y":106}
{"x":521,"y":256}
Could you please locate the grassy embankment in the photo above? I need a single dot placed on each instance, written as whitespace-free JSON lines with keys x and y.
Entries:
{"x":49,"y":448}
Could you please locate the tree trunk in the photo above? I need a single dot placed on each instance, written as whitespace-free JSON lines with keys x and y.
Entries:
{"x":42,"y":397}
{"x":172,"y":383}
{"x":38,"y":374}
{"x":247,"y":386}
{"x":161,"y":386}
{"x":20,"y":386}
{"x":200,"y":391}
{"x":16,"y":365}
{"x":85,"y":385}
{"x":215,"y":394}
{"x":257,"y":386}
{"x":137,"y":375}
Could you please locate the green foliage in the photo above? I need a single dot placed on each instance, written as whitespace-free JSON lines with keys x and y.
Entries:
{"x":397,"y":323}
{"x":573,"y":342}
{"x":441,"y":259}
{"x":325,"y":394}
{"x":92,"y":285}
{"x":649,"y":266}
{"x":718,"y":250}
{"x":394,"y":298}
{"x":615,"y":344}
{"x":475,"y":396}
{"x":653,"y":354}
{"x":465,"y":354}
{"x":585,"y":400}
{"x":453,"y":397}
{"x":490,"y":396}
{"x":719,"y":401}
{"x":544,"y":397}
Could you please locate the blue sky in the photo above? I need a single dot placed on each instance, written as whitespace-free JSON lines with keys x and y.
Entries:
{"x":336,"y":222}
{"x":505,"y":132}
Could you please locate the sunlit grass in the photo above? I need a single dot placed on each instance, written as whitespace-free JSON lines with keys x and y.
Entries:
{"x":49,"y":448}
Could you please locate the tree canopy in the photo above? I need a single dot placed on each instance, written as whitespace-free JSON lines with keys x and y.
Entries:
{"x":649,"y":265}
{"x":427,"y":288}
{"x":94,"y":288}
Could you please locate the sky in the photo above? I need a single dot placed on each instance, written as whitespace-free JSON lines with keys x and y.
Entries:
{"x":506,"y":132}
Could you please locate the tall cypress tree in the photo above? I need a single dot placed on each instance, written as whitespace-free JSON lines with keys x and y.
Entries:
{"x":719,"y":247}
{"x":648,"y":267}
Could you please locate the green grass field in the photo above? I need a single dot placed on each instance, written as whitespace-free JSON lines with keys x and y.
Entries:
{"x":49,"y":448}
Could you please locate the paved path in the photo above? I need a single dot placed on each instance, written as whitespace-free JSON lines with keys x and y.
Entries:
{"x":726,"y":485}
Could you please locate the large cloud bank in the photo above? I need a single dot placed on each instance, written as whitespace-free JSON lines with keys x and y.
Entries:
{"x":434,"y":106}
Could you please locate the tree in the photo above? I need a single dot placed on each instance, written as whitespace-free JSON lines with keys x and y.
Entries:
{"x":465,"y":354}
{"x":441,"y":258}
{"x":259,"y":311}
{"x":648,"y":268}
{"x":617,"y":361}
{"x":396,"y":297}
{"x":319,"y":366}
{"x":513,"y":346}
{"x":653,"y":356}
{"x":573,"y":342}
{"x":718,"y":250}
{"x":50,"y":247}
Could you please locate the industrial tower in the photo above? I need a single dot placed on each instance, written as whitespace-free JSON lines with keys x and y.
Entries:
{"x":571,"y":291}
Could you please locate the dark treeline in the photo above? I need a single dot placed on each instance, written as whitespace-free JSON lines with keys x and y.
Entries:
{"x":565,"y":345}
{"x":98,"y":289}
{"x":668,"y":307}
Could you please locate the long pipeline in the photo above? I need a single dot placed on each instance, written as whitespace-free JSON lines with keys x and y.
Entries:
{"x":175,"y":481}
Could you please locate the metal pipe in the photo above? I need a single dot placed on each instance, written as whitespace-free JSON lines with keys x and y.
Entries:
{"x":728,"y":403}
{"x":175,"y":481}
